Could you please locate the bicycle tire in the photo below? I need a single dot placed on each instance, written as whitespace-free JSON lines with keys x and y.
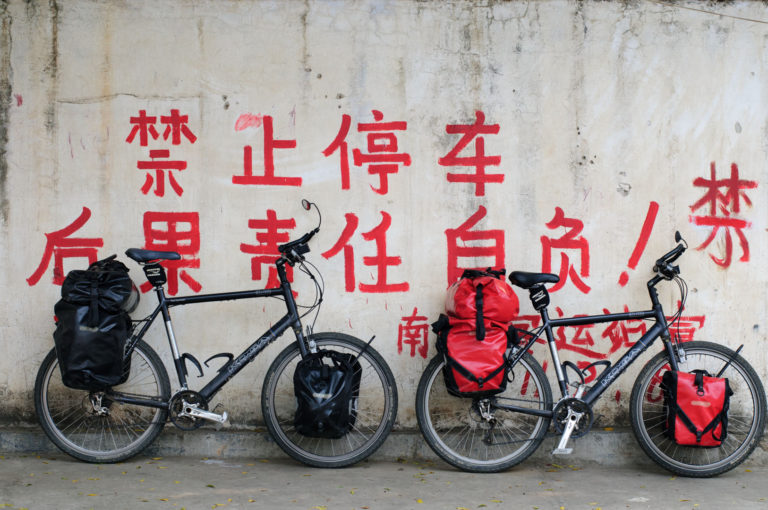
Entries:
{"x":746,"y":415}
{"x":376,"y":406}
{"x":71,"y":423}
{"x":454,"y":429}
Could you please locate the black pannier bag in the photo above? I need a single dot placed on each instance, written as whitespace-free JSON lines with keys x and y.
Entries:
{"x":327,"y":386}
{"x":696,"y":408}
{"x":92,"y":325}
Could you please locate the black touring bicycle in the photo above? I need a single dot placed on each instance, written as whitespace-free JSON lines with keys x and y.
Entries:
{"x":490,"y":433}
{"x":328,"y":399}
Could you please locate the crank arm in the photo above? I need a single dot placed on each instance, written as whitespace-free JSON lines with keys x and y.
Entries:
{"x":205,"y":415}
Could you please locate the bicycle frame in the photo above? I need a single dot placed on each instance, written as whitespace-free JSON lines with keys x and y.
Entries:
{"x":290,"y":320}
{"x":660,"y":328}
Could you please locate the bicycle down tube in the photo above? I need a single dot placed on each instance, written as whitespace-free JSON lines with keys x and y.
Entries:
{"x":610,"y":374}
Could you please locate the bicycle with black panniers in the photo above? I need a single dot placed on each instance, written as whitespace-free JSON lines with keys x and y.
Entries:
{"x":328,"y":399}
{"x":697,"y":408}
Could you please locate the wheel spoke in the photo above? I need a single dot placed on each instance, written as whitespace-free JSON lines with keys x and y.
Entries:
{"x":116,"y":433}
{"x":375,"y":412}
{"x":745,"y":419}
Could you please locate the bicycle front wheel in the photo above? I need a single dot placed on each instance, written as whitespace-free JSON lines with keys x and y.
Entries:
{"x":91,"y":427}
{"x":746,"y":415}
{"x":376,"y":405}
{"x":480,"y":435}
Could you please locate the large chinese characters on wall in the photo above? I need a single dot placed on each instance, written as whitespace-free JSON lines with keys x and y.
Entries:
{"x":360,"y":242}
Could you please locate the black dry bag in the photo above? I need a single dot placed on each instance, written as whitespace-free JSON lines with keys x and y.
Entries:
{"x":92,"y":325}
{"x":327,"y":386}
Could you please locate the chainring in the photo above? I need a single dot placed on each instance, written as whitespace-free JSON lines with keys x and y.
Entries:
{"x":560,"y":415}
{"x":176,"y":408}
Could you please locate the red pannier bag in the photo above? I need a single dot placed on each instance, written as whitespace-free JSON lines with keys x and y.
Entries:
{"x":696,"y":407}
{"x":482,"y":296}
{"x":474,"y":367}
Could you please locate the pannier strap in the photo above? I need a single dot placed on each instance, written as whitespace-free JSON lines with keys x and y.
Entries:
{"x":469,"y":375}
{"x":479,"y":322}
{"x":692,"y":427}
{"x":140,"y":255}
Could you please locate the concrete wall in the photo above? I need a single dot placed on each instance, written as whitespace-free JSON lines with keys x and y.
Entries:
{"x":600,"y":128}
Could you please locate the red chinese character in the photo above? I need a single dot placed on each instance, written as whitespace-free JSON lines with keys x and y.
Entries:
{"x":721,"y":208}
{"x":269,"y":178}
{"x":339,"y":143}
{"x":414,"y":333}
{"x":383,"y":158}
{"x":144,"y":126}
{"x":176,"y":125}
{"x":685,"y":329}
{"x":60,"y":246}
{"x":493,"y":250}
{"x":349,"y":251}
{"x":571,"y":240}
{"x":160,"y":167}
{"x":619,"y":332}
{"x":179,"y":232}
{"x":576,"y":339}
{"x":267,"y":247}
{"x":479,"y":160}
{"x":381,"y":261}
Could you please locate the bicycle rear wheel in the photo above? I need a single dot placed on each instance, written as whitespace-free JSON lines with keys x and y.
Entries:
{"x":91,"y":427}
{"x":459,"y":432}
{"x":376,"y":406}
{"x":746,"y":415}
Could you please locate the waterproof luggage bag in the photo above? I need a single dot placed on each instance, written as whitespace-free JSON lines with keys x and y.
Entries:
{"x":696,"y":408}
{"x":474,"y":367}
{"x":92,"y":325}
{"x":482,"y":296}
{"x":326,"y":385}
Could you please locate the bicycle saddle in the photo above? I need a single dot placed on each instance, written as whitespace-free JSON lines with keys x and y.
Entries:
{"x":528,"y":280}
{"x":140,"y":255}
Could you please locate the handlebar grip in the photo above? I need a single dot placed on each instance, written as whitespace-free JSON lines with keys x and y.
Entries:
{"x":671,"y":256}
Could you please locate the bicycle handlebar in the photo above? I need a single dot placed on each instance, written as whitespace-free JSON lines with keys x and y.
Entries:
{"x":664,"y":264}
{"x":293,"y":251}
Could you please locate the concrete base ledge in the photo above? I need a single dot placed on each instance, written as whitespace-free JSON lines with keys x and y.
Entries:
{"x":612,"y":448}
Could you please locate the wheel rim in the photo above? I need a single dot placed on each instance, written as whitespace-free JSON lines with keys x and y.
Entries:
{"x":456,"y":427}
{"x":742,"y":415}
{"x":73,"y":420}
{"x":374,"y":405}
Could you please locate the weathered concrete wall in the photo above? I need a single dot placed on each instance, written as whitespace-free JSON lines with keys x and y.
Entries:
{"x":593,"y":120}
